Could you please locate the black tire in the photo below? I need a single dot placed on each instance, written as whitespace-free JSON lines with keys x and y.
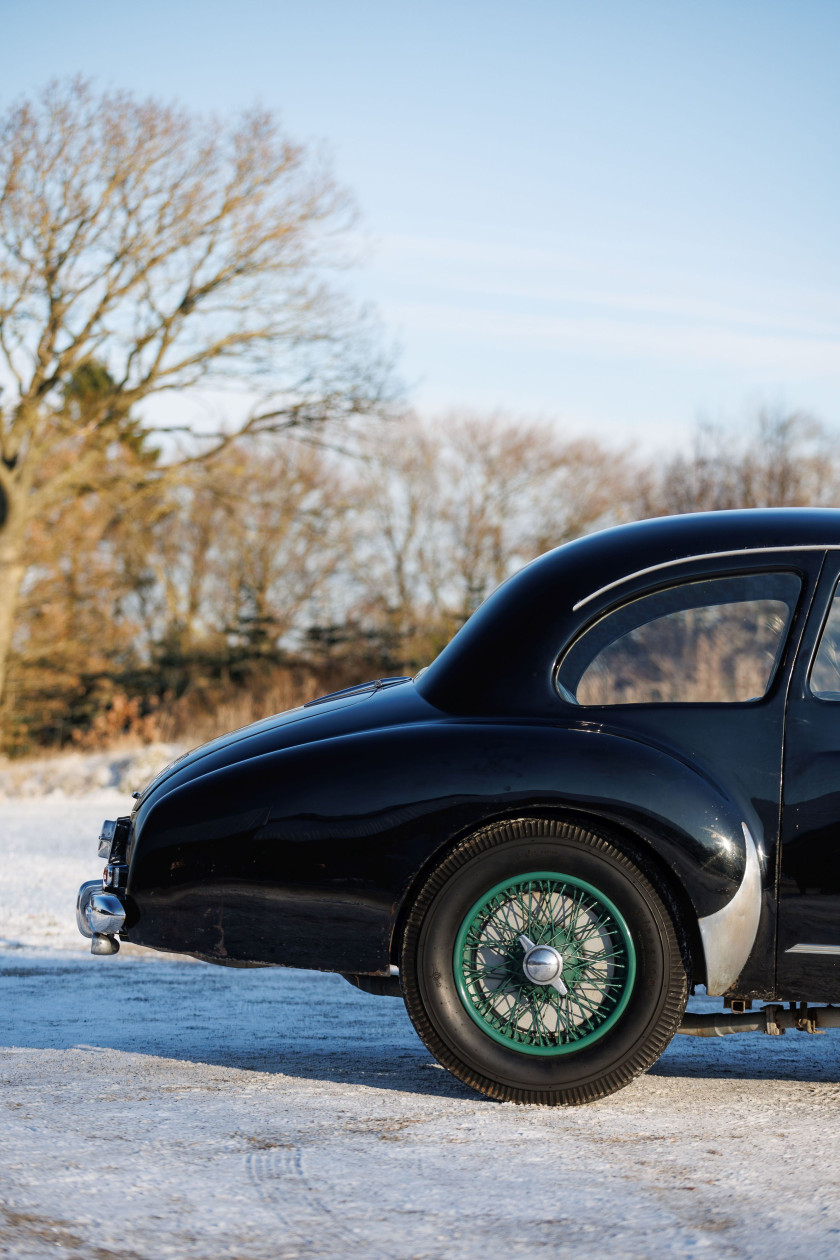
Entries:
{"x":655,"y":1002}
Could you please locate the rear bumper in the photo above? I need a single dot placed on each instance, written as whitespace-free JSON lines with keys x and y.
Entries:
{"x":100,"y":916}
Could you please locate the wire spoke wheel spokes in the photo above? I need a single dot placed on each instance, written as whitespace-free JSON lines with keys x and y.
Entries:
{"x":544,"y":963}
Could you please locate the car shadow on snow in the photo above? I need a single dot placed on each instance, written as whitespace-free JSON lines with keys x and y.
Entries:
{"x":308,"y":1026}
{"x":796,"y":1056}
{"x":304,"y":1025}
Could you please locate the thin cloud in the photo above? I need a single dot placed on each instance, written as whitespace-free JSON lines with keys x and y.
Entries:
{"x":657,"y":341}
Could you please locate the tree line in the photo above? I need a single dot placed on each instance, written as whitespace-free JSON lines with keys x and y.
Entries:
{"x":279,"y":570}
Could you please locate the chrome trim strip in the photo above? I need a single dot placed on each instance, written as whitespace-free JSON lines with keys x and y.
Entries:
{"x":708,"y":555}
{"x":728,"y":935}
{"x":813,"y":949}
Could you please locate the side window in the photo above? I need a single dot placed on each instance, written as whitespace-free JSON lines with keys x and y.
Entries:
{"x":716,"y":641}
{"x":825,"y":672}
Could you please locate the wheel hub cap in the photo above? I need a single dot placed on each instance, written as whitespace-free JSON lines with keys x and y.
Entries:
{"x":542,"y":964}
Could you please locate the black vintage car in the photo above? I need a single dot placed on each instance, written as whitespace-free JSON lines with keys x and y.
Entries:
{"x":621,"y":779}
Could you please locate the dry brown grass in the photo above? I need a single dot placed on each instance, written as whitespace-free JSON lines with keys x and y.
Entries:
{"x":198,"y":715}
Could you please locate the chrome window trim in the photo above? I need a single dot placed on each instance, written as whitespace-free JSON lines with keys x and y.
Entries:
{"x":708,"y":555}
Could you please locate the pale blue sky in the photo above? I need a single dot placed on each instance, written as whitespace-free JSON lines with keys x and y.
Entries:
{"x":618,"y":215}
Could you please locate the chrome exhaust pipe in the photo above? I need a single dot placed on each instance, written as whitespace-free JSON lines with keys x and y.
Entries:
{"x":773,"y":1019}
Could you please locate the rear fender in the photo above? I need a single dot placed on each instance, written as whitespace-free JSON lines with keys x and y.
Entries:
{"x":305,"y":856}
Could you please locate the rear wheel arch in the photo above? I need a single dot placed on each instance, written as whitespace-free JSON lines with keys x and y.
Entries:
{"x":639,"y":848}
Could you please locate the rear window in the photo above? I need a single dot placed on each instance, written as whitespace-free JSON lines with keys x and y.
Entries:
{"x":717,"y":641}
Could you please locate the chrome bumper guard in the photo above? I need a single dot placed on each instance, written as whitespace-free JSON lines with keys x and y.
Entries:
{"x":100,"y":916}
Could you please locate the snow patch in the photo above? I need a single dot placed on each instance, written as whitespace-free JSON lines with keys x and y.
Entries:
{"x":80,"y":773}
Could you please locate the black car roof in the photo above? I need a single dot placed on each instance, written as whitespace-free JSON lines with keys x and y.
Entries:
{"x":492,"y":658}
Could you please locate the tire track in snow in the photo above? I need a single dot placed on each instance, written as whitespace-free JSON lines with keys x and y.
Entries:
{"x":280,"y":1177}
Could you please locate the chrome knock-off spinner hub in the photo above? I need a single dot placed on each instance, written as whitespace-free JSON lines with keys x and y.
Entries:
{"x":542,"y":964}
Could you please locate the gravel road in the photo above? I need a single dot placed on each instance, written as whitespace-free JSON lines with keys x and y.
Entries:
{"x":163,"y":1108}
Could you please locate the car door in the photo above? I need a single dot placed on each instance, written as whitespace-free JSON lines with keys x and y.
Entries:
{"x":701,"y":665}
{"x":808,"y":950}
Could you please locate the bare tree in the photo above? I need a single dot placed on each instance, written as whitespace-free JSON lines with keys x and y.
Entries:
{"x":396,"y":554}
{"x":174,"y":251}
{"x":779,"y":459}
{"x":517,"y":489}
{"x":456,"y":507}
{"x":249,"y":548}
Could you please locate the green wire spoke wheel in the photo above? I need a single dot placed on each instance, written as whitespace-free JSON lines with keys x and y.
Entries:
{"x":544,"y":963}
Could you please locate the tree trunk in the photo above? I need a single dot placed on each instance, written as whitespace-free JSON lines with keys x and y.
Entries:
{"x":12,"y":569}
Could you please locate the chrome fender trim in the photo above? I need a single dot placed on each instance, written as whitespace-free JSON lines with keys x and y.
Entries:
{"x":729,"y":935}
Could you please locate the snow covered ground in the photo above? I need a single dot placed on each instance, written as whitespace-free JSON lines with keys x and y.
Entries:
{"x":159,"y":1108}
{"x":80,"y":773}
